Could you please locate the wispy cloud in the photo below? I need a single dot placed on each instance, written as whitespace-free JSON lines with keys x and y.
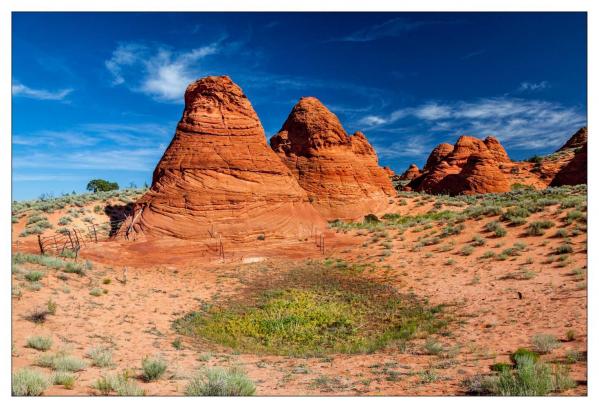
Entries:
{"x":533,"y":86}
{"x":157,"y":71}
{"x":20,"y":90}
{"x":390,"y":28}
{"x":519,"y":123}
{"x":92,"y":134}
{"x":140,"y":159}
{"x":472,"y":54}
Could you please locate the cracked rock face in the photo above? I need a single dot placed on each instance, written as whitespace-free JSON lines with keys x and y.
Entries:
{"x":218,"y":177}
{"x":339,"y":172}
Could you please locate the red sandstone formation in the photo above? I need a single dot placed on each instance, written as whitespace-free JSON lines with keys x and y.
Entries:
{"x":411,"y":173}
{"x":575,"y":172}
{"x":218,"y":177}
{"x":472,"y":167}
{"x":339,"y":172}
{"x":578,"y":139}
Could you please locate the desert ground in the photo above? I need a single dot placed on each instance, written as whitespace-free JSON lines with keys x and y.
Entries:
{"x":475,"y":278}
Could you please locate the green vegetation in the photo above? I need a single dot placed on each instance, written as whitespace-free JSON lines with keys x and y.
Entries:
{"x":65,"y":379}
{"x":527,"y":378}
{"x":153,"y":368}
{"x":100,"y":356}
{"x":217,"y":381}
{"x":537,"y":228}
{"x":61,"y":361}
{"x":97,"y":185}
{"x":27,"y":382}
{"x":314,"y":309}
{"x":544,"y":343}
{"x":41,"y":343}
{"x":121,"y":384}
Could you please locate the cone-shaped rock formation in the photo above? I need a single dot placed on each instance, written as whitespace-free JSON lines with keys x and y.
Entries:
{"x":218,"y":177}
{"x":339,"y":172}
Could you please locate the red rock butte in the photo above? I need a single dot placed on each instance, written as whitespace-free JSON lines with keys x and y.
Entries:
{"x":339,"y":172}
{"x":471,"y":166}
{"x":218,"y":177}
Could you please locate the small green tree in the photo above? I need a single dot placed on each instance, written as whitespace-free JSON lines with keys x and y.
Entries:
{"x":96,"y":185}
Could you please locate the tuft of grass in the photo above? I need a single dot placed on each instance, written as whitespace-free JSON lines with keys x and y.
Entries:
{"x":478,"y":240}
{"x":564,"y":249}
{"x":217,"y":381}
{"x":121,"y":384}
{"x":523,"y":353}
{"x":527,"y":378}
{"x":65,"y":379}
{"x":467,"y":250}
{"x":570,"y":335}
{"x":537,"y":228}
{"x":61,"y":361}
{"x":432,"y":347}
{"x":27,"y":382}
{"x":153,"y":368}
{"x":496,"y":229}
{"x":41,"y":343}
{"x":100,"y":356}
{"x":177,"y":344}
{"x":544,"y":343}
{"x":34,"y":276}
{"x":96,"y":292}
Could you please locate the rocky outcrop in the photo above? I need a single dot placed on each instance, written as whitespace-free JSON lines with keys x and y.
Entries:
{"x":411,"y":173}
{"x":339,"y":172}
{"x":575,"y":171}
{"x":578,"y":140}
{"x":471,"y":167}
{"x":438,"y":154}
{"x":218,"y":177}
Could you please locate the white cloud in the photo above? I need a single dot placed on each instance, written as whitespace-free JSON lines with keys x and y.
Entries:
{"x":140,"y":159}
{"x":157,"y":71}
{"x":21,"y":90}
{"x":519,"y":123}
{"x":533,"y":86}
{"x":390,"y":28}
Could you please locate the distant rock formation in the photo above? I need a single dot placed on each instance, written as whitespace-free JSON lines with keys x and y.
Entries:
{"x":471,"y":167}
{"x":575,"y":170}
{"x":218,"y":177}
{"x":411,"y":173}
{"x":339,"y":172}
{"x":578,"y":139}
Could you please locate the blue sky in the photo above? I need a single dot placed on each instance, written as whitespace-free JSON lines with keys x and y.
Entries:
{"x":98,"y":95}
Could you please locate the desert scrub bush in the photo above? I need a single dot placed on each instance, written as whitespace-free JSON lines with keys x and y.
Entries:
{"x":561,"y":233}
{"x":544,"y":343}
{"x":96,"y":292}
{"x":73,"y":267}
{"x":432,"y":347}
{"x":100,"y":356}
{"x":65,"y":379}
{"x":537,"y":228}
{"x":516,"y":215}
{"x":314,"y":309}
{"x":120,"y":383}
{"x":574,"y":215}
{"x":217,"y":381}
{"x":451,"y":230}
{"x":42,"y":343}
{"x":153,"y":368}
{"x":61,"y":361}
{"x":523,"y":353}
{"x":488,"y":254}
{"x":478,"y":240}
{"x":564,"y":249}
{"x":467,"y":250}
{"x":34,"y":276}
{"x":495,"y":228}
{"x":27,"y":382}
{"x":65,"y":220}
{"x":527,"y":378}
